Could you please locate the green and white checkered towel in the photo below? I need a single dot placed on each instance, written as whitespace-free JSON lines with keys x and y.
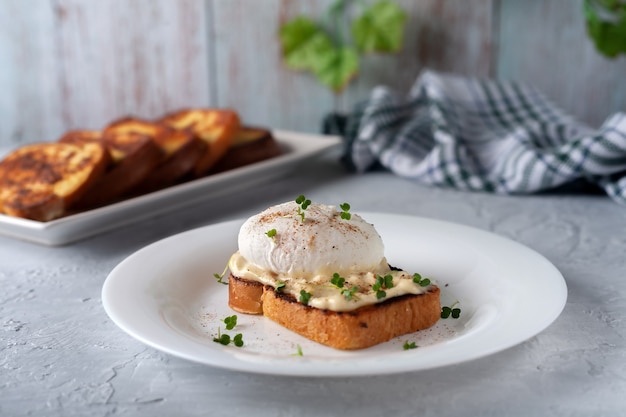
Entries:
{"x":482,"y":135}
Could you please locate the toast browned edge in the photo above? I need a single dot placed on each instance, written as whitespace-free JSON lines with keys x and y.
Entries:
{"x":182,"y":151}
{"x":216,"y":127}
{"x":29,"y":184}
{"x":361,"y":328}
{"x":250,"y":145}
{"x":140,"y":156}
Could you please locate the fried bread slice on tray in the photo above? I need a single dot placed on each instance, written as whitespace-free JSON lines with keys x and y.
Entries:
{"x":216,"y":127}
{"x":250,"y":145}
{"x":41,"y":181}
{"x":134,"y":156}
{"x":181,"y":151}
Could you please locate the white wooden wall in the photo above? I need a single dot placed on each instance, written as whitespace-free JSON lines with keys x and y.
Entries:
{"x":80,"y":63}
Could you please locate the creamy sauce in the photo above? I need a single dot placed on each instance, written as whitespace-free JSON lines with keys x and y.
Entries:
{"x":325,"y":295}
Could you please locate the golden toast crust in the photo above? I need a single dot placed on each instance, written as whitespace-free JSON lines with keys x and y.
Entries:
{"x":140,"y":158}
{"x":361,"y":328}
{"x":181,"y":151}
{"x":216,"y":127}
{"x":250,"y":145}
{"x":41,"y":181}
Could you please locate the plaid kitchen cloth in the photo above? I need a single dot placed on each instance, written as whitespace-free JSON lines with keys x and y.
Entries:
{"x":481,"y":135}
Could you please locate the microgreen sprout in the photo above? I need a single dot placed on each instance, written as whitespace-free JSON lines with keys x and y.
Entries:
{"x":230,"y":322}
{"x":220,"y":277}
{"x":422,"y":282}
{"x":345,"y":208}
{"x":280,"y":285}
{"x":298,"y":351}
{"x":451,"y":311}
{"x":349,"y":293}
{"x":382,"y":282}
{"x":225,"y":339}
{"x":305,"y":297}
{"x":303,"y":203}
{"x":271,"y":233}
{"x":337,"y":280}
{"x":408,"y":345}
{"x":238,"y":340}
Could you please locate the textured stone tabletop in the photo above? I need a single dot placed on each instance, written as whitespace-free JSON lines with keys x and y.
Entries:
{"x":61,"y":355}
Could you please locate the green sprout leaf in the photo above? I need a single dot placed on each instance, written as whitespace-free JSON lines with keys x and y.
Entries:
{"x":303,"y":203}
{"x":225,"y":339}
{"x":345,"y":208}
{"x":298,"y":351}
{"x":422,"y":282}
{"x":305,"y":297}
{"x":408,"y":345}
{"x":220,"y":277}
{"x":271,"y":233}
{"x":382,"y":282}
{"x":222,"y":339}
{"x":337,"y":280}
{"x":388,"y":281}
{"x":230,"y":322}
{"x":451,"y":311}
{"x":349,"y":293}
{"x":280,"y":285}
{"x":238,"y":340}
{"x":380,"y":28}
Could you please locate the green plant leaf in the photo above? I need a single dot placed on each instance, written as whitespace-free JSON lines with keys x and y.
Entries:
{"x":307,"y":46}
{"x":380,"y":28}
{"x":606,"y":25}
{"x":303,"y":43}
{"x":337,"y":67}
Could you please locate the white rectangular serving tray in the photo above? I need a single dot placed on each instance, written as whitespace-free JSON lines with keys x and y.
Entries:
{"x":297,"y":148}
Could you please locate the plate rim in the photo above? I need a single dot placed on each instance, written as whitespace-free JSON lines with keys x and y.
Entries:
{"x":308,"y":371}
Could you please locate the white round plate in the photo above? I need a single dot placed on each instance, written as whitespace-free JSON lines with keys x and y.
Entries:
{"x":165,"y":295}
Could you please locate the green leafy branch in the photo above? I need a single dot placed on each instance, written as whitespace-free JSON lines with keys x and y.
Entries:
{"x":606,"y":25}
{"x":324,"y":51}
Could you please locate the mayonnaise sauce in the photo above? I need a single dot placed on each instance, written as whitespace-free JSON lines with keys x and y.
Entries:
{"x":325,"y":295}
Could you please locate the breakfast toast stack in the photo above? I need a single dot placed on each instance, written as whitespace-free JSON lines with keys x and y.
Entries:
{"x":85,"y":169}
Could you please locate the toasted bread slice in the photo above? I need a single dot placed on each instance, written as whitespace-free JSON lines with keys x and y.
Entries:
{"x":181,"y":151}
{"x":81,"y":136}
{"x":41,"y":181}
{"x":250,"y":145}
{"x":245,"y":296}
{"x":134,"y":157}
{"x":364,"y":327}
{"x":216,"y":127}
